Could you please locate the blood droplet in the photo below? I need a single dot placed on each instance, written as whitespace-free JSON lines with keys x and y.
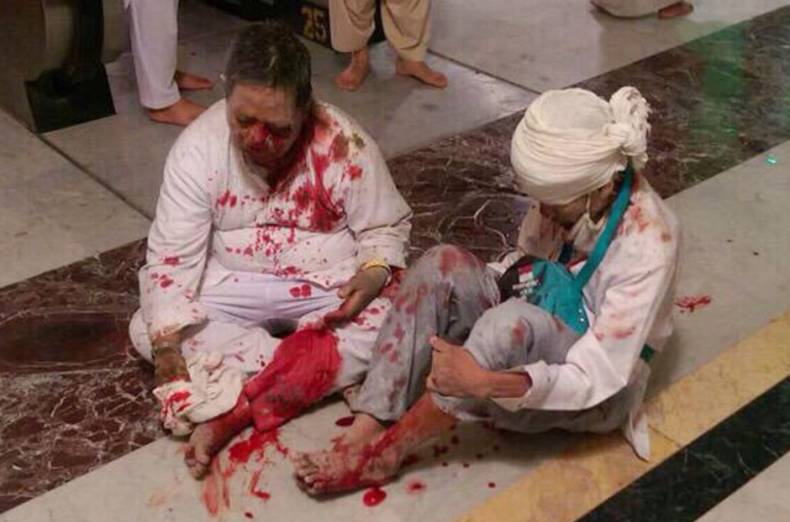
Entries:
{"x":374,"y":496}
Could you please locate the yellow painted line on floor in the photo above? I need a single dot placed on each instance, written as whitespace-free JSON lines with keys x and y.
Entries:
{"x":565,"y":488}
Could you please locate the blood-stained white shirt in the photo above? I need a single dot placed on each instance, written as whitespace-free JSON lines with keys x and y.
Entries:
{"x":628,"y":302}
{"x":335,"y":210}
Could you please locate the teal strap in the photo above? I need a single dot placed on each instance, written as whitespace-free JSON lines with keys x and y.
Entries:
{"x":566,"y":254}
{"x":602,"y":245}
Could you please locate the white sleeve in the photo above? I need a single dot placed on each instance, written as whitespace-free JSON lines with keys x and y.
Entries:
{"x":600,"y":363}
{"x":177,"y":243}
{"x":377,"y":214}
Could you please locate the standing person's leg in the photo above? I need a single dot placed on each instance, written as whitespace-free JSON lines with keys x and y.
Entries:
{"x":351,"y":25}
{"x":153,"y":32}
{"x":507,"y":336}
{"x":407,"y":26}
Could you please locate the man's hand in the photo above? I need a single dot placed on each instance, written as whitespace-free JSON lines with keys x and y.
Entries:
{"x":455,"y":372}
{"x":169,"y":365}
{"x":358,"y":293}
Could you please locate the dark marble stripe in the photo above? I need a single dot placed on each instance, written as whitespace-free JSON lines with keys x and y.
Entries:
{"x":75,"y":395}
{"x":698,"y":477}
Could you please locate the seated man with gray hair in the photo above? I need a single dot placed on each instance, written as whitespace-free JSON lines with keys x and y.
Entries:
{"x":563,"y":339}
{"x":276,"y":213}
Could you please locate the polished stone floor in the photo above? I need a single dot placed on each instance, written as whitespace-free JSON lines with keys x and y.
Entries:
{"x":77,"y":203}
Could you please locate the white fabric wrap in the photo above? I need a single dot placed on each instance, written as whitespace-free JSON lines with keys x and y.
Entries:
{"x":571,"y":142}
{"x":213,"y":390}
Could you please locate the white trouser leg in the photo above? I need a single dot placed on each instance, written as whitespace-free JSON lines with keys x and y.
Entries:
{"x":153,"y":32}
{"x":244,"y":307}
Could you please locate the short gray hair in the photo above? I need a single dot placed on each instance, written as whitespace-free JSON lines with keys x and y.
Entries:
{"x":269,"y":54}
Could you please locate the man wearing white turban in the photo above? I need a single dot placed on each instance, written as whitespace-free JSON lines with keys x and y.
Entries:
{"x":560,"y":336}
{"x":637,"y":8}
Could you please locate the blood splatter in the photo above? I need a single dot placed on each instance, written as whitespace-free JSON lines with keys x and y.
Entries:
{"x":492,"y":484}
{"x":223,"y":199}
{"x":519,"y":334}
{"x":416,"y":486}
{"x":256,"y":477}
{"x":374,"y":496}
{"x":248,"y":514}
{"x":411,"y":459}
{"x":465,"y":464}
{"x":165,"y":281}
{"x":339,"y":148}
{"x":691,"y":303}
{"x":448,"y":260}
{"x":344,"y":422}
{"x":256,"y":444}
{"x":171,"y":260}
{"x":439,"y":450}
{"x":635,"y":220}
{"x":353,"y":172}
{"x":304,"y":290}
{"x":302,"y":371}
{"x":623,"y":333}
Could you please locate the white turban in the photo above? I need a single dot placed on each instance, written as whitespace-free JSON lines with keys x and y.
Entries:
{"x":571,"y":142}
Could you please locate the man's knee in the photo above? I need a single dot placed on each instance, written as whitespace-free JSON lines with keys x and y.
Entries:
{"x":138,"y":333}
{"x":502,"y":335}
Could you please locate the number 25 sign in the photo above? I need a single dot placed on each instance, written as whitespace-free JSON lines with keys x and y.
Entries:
{"x":314,"y":24}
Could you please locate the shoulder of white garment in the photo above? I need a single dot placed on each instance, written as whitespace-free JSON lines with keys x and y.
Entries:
{"x":349,"y":126}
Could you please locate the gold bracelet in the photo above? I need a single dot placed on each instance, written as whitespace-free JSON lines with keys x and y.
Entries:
{"x":377,"y":263}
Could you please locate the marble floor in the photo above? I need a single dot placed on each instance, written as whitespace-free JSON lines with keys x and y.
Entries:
{"x":80,"y":439}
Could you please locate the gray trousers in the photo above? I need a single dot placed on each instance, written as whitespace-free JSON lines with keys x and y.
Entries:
{"x":450,"y":293}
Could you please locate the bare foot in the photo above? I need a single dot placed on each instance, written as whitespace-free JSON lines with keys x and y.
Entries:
{"x":182,"y":112}
{"x":356,"y":72}
{"x":675,"y":10}
{"x":345,"y":468}
{"x":192,"y":82}
{"x":209,"y":438}
{"x":422,"y":72}
{"x":363,"y":430}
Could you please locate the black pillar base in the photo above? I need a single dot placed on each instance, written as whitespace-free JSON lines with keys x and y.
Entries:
{"x":56,"y":102}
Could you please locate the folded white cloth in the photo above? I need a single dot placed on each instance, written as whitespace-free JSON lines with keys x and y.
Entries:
{"x":571,"y":142}
{"x":213,"y":390}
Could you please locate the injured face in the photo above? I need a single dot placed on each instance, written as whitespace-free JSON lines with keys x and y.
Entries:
{"x":265,"y":124}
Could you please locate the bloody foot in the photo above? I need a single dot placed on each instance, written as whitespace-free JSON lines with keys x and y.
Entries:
{"x":347,"y":467}
{"x":363,"y":430}
{"x":210,"y":437}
